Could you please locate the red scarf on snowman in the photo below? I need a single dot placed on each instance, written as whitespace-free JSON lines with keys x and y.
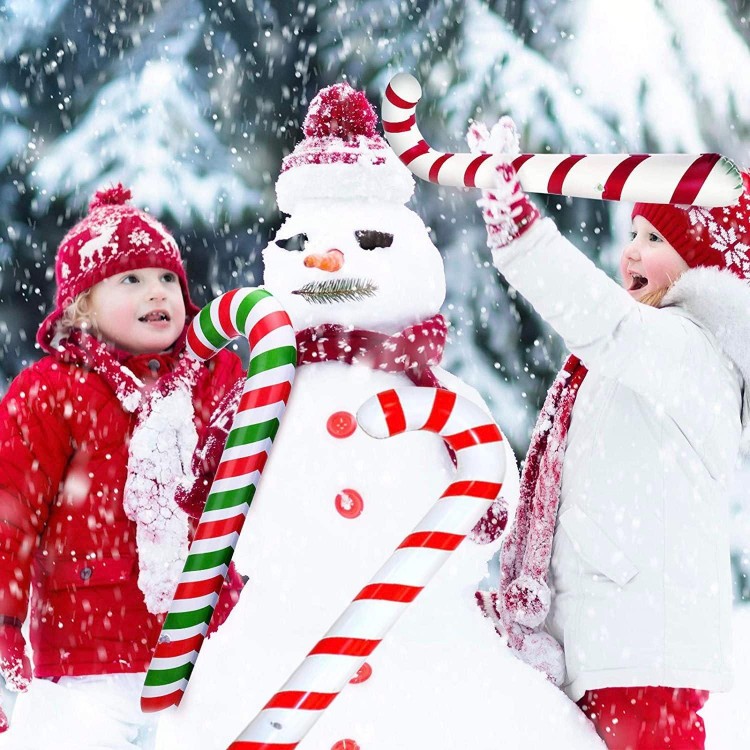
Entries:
{"x":519,"y":606}
{"x":413,"y":351}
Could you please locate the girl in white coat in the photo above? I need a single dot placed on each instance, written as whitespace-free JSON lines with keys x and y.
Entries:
{"x":620,"y":546}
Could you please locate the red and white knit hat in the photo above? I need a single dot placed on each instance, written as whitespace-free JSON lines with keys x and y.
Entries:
{"x":717,"y":237}
{"x":342,"y":156}
{"x":113,"y":238}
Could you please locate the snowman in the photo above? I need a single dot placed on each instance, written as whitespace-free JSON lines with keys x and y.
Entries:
{"x":363,"y":285}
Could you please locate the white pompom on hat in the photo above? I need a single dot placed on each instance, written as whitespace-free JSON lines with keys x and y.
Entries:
{"x":342,"y":156}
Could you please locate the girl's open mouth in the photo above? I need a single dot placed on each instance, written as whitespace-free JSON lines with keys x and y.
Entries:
{"x":155,"y":316}
{"x":637,"y":282}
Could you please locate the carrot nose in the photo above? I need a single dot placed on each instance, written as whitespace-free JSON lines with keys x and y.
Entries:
{"x":331,"y":260}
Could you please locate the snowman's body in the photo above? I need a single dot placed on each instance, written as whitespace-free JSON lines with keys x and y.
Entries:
{"x":332,"y":506}
{"x":306,"y":562}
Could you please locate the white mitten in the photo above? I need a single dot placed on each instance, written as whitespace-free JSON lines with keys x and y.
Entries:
{"x":507,"y":211}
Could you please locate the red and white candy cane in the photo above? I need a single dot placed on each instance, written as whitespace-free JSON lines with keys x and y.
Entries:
{"x":698,"y":179}
{"x":255,"y":314}
{"x":477,"y":442}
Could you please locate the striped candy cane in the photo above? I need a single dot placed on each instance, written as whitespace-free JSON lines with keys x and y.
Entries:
{"x":253,"y":313}
{"x":699,"y":179}
{"x":477,"y":442}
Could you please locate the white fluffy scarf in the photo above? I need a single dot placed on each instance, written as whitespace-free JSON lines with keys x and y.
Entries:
{"x":159,"y":461}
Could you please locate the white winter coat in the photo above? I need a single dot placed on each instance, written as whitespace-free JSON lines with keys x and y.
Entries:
{"x":640,"y":567}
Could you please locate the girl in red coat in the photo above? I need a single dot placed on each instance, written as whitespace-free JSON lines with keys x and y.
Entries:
{"x":96,"y":446}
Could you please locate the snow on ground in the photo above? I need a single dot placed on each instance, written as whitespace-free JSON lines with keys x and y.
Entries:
{"x":726,"y":714}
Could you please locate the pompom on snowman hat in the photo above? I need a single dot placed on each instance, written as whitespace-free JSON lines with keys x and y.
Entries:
{"x":342,"y":156}
{"x":113,"y":238}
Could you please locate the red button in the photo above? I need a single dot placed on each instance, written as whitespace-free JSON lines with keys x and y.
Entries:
{"x":341,"y":424}
{"x":363,"y":673}
{"x":349,"y":503}
{"x":346,"y":745}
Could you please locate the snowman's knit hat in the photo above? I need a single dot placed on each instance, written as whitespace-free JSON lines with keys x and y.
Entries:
{"x":342,"y":157}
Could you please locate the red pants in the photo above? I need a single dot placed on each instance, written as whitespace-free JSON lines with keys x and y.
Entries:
{"x":647,"y":718}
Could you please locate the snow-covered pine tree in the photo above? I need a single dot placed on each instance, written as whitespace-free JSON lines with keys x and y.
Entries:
{"x":100,"y":91}
{"x":147,"y":128}
{"x":29,"y":60}
{"x":235,"y":76}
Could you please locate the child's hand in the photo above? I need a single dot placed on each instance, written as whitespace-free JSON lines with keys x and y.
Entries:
{"x":208,"y":453}
{"x":229,"y":595}
{"x":507,"y":211}
{"x":503,"y":139}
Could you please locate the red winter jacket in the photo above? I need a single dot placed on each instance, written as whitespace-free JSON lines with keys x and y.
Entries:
{"x":64,"y":535}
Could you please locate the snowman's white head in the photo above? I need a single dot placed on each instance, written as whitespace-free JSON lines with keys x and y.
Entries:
{"x":350,"y":252}
{"x":364,"y":264}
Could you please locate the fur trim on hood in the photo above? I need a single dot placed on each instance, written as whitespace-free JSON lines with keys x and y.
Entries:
{"x":719,"y":301}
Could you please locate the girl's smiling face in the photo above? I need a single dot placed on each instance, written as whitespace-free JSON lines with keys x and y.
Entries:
{"x":141,"y":311}
{"x":649,"y":263}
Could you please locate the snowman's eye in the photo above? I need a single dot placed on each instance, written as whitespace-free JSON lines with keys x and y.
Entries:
{"x":295,"y":243}
{"x":369,"y":239}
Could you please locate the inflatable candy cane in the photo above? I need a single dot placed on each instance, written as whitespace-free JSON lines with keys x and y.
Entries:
{"x":699,"y":179}
{"x":255,"y":314}
{"x":477,"y":442}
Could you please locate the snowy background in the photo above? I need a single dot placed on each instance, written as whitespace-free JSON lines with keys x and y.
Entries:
{"x":193,"y":104}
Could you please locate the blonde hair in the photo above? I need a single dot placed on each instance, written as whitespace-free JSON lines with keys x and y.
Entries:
{"x":76,"y":315}
{"x":653,"y":299}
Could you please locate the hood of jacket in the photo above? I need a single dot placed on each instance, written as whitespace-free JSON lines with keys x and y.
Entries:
{"x":719,"y":302}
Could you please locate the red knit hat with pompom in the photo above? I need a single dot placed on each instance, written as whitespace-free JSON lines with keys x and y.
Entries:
{"x":342,"y":155}
{"x":717,"y":237}
{"x":114,"y":237}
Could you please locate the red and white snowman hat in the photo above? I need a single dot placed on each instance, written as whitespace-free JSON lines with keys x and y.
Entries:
{"x":342,"y":156}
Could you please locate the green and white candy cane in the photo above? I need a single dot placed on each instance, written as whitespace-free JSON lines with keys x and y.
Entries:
{"x":255,"y":314}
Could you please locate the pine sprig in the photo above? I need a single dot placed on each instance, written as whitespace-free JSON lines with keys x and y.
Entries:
{"x":337,"y":290}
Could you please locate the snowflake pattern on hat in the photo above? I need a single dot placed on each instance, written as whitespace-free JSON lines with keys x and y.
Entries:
{"x":139,"y":237}
{"x":726,"y":239}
